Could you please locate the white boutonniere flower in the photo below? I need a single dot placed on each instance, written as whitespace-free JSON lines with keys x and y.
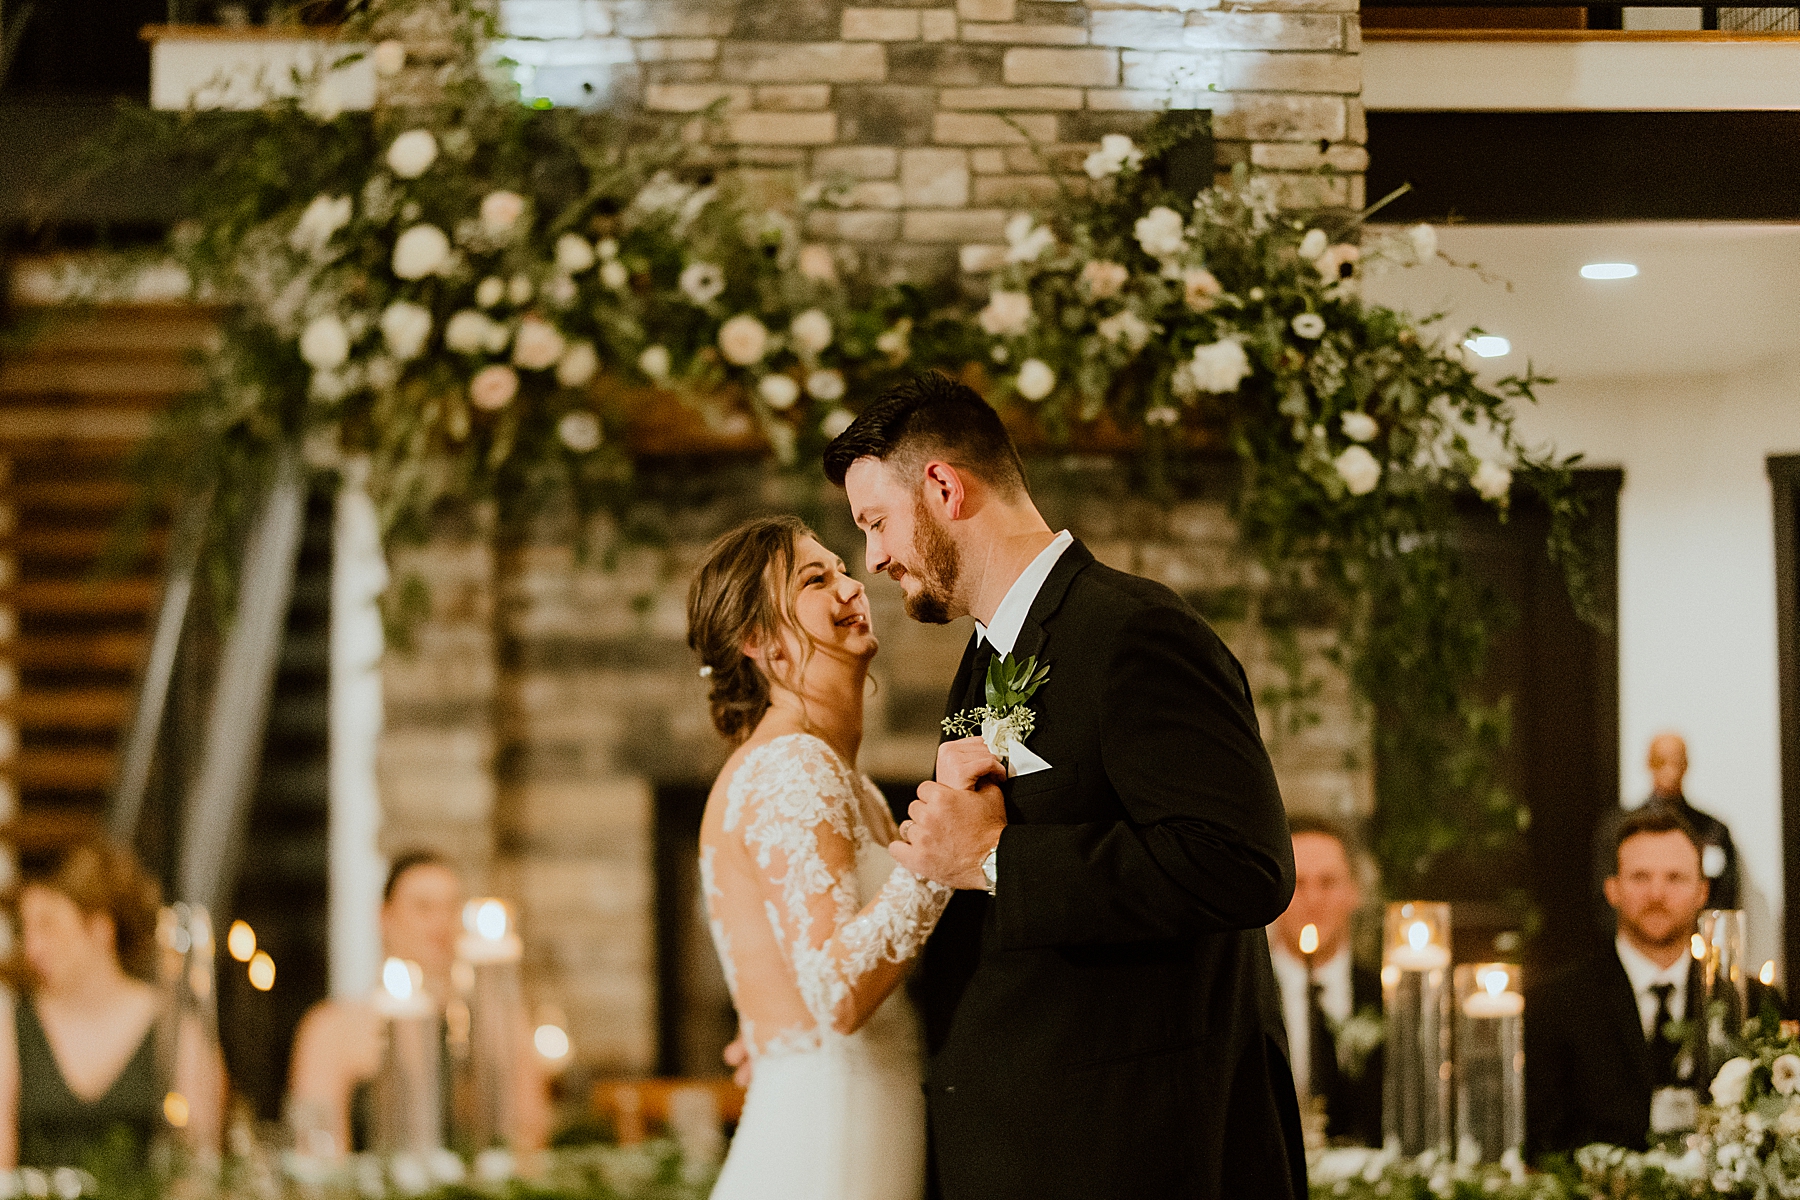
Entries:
{"x":1005,"y":720}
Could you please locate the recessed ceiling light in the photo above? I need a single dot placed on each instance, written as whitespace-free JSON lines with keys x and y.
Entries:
{"x":1609,"y":271}
{"x":1489,"y":346}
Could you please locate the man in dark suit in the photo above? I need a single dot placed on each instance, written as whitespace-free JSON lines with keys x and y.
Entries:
{"x":1332,"y":1004}
{"x":1606,"y":1055}
{"x":1101,"y":1015}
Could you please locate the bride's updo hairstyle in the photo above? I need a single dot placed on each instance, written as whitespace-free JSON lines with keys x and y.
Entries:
{"x":743,"y":592}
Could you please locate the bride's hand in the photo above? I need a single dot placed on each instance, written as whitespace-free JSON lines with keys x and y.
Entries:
{"x":737,"y":1057}
{"x":949,"y":831}
{"x":964,"y":763}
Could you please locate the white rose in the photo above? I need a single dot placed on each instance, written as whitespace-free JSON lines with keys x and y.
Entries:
{"x":493,"y":387}
{"x":1160,"y":232}
{"x":466,"y":332}
{"x":835,"y":422}
{"x":1104,"y":279}
{"x":578,"y":365}
{"x":490,"y":291}
{"x":1358,"y":469}
{"x":1115,"y":152}
{"x":1220,"y":366}
{"x":389,"y":57}
{"x":1026,"y":240}
{"x":520,"y":289}
{"x":896,"y":340}
{"x":1199,"y":287}
{"x":779,"y":392}
{"x":325,"y":343}
{"x":1729,"y":1084}
{"x":1492,"y":480}
{"x":811,"y":331}
{"x":827,"y":385}
{"x":405,"y":327}
{"x":412,"y":153}
{"x":607,"y":248}
{"x":579,"y":430}
{"x":654,"y":362}
{"x":613,"y":274}
{"x":1359,"y":426}
{"x":1424,"y":241}
{"x":319,"y":223}
{"x":1125,"y":326}
{"x":817,"y":264}
{"x":1313,"y":244}
{"x":500,"y":211}
{"x":1036,"y":380}
{"x":702,"y":282}
{"x":1309,"y":325}
{"x":574,"y":254}
{"x":420,"y":251}
{"x":562,"y":291}
{"x":1006,"y":314}
{"x":1162,"y":414}
{"x":743,"y":340}
{"x":537,"y":345}
{"x":1785,"y":1074}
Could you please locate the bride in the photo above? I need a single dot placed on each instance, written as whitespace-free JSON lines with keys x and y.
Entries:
{"x":814,"y":923}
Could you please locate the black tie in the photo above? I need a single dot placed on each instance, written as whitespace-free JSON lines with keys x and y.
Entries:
{"x":1662,"y":1045}
{"x":976,"y":695}
{"x":1322,"y":1067}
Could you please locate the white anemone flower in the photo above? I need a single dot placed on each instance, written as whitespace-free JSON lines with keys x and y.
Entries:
{"x":412,"y":153}
{"x":1036,"y":379}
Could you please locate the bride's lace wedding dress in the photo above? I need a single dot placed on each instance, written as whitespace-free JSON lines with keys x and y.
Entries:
{"x":815,"y":925}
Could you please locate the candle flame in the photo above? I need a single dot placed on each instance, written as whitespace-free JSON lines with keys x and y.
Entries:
{"x":1699,"y":946}
{"x":175,"y":1109}
{"x":396,"y":977}
{"x":1309,"y":938}
{"x":490,"y":920}
{"x":1418,"y":935}
{"x":241,"y":941}
{"x":1494,"y":982}
{"x":1767,"y":974}
{"x":262,"y":971}
{"x":551,"y":1041}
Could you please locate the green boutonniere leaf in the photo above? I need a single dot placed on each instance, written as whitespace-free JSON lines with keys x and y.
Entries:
{"x":1011,"y":681}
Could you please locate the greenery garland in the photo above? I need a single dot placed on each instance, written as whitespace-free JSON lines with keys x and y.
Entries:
{"x":476,"y":294}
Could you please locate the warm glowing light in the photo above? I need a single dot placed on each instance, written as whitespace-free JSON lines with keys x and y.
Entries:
{"x":490,"y":920}
{"x":262,"y":971}
{"x":1767,"y":974}
{"x":1494,"y":982}
{"x":1418,"y":935}
{"x":241,"y":941}
{"x":551,"y":1042}
{"x":1489,"y":346}
{"x":1309,"y":938}
{"x":175,"y":1109}
{"x":1609,"y":271}
{"x":1699,"y":945}
{"x":396,"y":977}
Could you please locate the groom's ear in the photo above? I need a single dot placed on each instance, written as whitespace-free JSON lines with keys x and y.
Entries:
{"x":945,"y":488}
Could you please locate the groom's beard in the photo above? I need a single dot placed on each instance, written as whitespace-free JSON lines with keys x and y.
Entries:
{"x":937,"y":568}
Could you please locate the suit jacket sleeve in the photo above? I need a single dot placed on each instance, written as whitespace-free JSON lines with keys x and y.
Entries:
{"x":1202,"y":846}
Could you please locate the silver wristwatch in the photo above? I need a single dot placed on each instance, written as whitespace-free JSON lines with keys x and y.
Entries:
{"x":990,"y":868}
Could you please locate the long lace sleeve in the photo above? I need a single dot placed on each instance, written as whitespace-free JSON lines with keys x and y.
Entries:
{"x":796,"y":810}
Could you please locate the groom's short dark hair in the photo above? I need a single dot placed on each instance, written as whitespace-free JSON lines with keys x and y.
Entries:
{"x":931,"y":416}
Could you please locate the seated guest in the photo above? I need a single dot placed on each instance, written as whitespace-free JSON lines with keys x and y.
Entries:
{"x":337,"y":1048}
{"x":1605,"y":1059}
{"x":1321,"y":991}
{"x":1668,"y":762}
{"x":81,"y":1074}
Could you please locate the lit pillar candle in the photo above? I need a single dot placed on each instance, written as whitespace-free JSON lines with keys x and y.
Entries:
{"x":1490,"y":1063}
{"x":1720,"y":947}
{"x":488,"y":956}
{"x":408,"y":1099}
{"x":1415,"y":986}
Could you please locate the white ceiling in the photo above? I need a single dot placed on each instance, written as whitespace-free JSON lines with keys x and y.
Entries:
{"x":1707,"y":298}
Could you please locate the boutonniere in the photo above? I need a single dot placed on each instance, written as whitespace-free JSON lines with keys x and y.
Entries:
{"x":1357,"y":1038}
{"x":1005,"y":720}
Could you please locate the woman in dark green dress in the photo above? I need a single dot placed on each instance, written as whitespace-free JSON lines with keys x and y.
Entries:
{"x":81,"y":1076}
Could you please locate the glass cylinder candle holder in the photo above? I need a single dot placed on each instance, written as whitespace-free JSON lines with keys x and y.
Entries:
{"x":1416,"y":992}
{"x":408,"y":1104}
{"x":1490,"y":1063}
{"x":188,"y":1031}
{"x":487,"y":975}
{"x":1724,"y":1001}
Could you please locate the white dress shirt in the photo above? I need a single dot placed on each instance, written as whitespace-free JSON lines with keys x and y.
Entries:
{"x":1336,"y":998}
{"x":1015,"y":606}
{"x":1645,"y":975}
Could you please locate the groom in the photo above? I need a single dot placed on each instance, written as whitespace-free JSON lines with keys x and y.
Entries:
{"x":1101,"y":1014}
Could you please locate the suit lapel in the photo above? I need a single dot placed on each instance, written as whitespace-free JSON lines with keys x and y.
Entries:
{"x":1622,"y":1012}
{"x":959,"y":688}
{"x":1032,"y":635}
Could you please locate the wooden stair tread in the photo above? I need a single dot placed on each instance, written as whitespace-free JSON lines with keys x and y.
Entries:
{"x":66,"y":768}
{"x":81,"y":597}
{"x":93,"y":652}
{"x":108,"y":496}
{"x":81,"y":545}
{"x":73,"y":708}
{"x":42,"y":829}
{"x":97,"y":381}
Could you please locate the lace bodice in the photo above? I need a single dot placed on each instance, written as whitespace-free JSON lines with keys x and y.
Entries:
{"x":814,"y":922}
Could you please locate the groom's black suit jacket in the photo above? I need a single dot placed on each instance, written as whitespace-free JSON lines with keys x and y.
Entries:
{"x":1108,"y":1025}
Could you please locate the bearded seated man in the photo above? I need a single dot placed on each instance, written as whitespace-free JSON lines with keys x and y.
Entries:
{"x":1608,"y":1052}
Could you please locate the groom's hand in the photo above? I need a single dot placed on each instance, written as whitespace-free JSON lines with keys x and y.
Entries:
{"x":965,"y":762}
{"x":949,"y":831}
